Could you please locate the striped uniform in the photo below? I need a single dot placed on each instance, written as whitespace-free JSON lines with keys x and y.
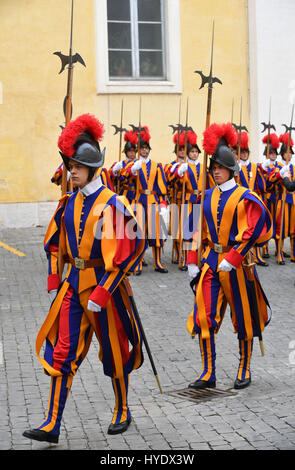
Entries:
{"x":252,"y":176}
{"x":234,"y":221}
{"x":126,"y":185}
{"x":92,"y":227}
{"x":151,"y":191}
{"x":187,"y":187}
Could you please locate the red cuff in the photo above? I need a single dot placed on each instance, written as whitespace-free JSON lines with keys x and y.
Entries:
{"x":53,"y":282}
{"x":163,"y":204}
{"x":192,"y":257}
{"x":100,"y":296}
{"x":234,"y":258}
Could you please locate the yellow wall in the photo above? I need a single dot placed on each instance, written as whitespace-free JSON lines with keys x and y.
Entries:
{"x":33,"y":91}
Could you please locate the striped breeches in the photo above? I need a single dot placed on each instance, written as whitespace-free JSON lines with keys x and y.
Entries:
{"x":215,"y":291}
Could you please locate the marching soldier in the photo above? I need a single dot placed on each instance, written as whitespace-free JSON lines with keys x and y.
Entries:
{"x":126,"y":186}
{"x":270,"y":162}
{"x":287,"y":218}
{"x":174,"y":195}
{"x":235,"y":219}
{"x":251,"y":176}
{"x":88,"y":231}
{"x":150,"y":200}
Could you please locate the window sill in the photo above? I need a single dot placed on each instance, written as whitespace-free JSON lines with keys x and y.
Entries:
{"x":136,"y":86}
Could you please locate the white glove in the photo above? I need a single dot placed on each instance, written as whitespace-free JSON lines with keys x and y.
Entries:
{"x":182,"y":169}
{"x":136,"y":166}
{"x":265,"y":165}
{"x":93,"y":307}
{"x":117,"y":167}
{"x":163,"y":211}
{"x":225,"y":266}
{"x":52,"y":294}
{"x":284,"y":171}
{"x":193,"y":270}
{"x":173,"y":167}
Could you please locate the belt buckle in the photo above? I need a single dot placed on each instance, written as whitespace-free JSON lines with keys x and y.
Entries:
{"x":218,"y":248}
{"x":79,"y":263}
{"x":147,"y":191}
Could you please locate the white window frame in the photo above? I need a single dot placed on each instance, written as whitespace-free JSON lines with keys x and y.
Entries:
{"x":172,"y":48}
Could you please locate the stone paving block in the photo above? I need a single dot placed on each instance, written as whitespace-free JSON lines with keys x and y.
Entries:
{"x":260,"y":417}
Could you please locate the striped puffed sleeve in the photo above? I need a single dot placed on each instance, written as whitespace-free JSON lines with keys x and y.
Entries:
{"x":161,"y":185}
{"x":51,"y":244}
{"x":254,"y":227}
{"x":122,"y":246}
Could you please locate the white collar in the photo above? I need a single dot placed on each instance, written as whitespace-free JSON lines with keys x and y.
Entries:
{"x":229,"y":184}
{"x":91,"y":187}
{"x":245,"y":162}
{"x":192,"y":162}
{"x":145,"y":160}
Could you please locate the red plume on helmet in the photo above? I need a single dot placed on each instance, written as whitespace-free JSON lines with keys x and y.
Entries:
{"x":219,"y":134}
{"x":131,"y":136}
{"x":191,"y":138}
{"x":244,"y":141}
{"x":145,"y":136}
{"x":273,"y":140}
{"x":86,"y":123}
{"x":284,"y":139}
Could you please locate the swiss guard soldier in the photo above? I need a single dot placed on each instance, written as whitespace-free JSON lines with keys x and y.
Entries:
{"x":269,"y":163}
{"x":101,"y":172}
{"x":288,"y":228}
{"x":251,"y":176}
{"x":150,"y":200}
{"x":125,"y":186}
{"x":235,"y":219}
{"x":188,"y":177}
{"x":174,"y":195}
{"x":89,"y":231}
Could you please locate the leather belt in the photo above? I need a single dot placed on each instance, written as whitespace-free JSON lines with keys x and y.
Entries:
{"x":80,"y":263}
{"x":147,"y":191}
{"x":219,"y":248}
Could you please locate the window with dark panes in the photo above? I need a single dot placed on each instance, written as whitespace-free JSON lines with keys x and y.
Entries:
{"x":136,"y":39}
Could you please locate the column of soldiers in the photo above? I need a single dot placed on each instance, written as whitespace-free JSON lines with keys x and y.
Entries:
{"x":240,"y":214}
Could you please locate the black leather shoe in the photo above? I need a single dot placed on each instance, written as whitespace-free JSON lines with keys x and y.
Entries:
{"x":200,"y":384}
{"x":39,"y":435}
{"x":242,"y":383}
{"x":292,"y":260}
{"x":119,"y":428}
{"x":282,"y":263}
{"x":262,"y":263}
{"x":161,"y":270}
{"x":138,"y":273}
{"x":183,"y":268}
{"x":144,"y":263}
{"x":267,"y":255}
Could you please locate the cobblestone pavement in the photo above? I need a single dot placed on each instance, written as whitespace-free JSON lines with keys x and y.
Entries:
{"x":261,"y":416}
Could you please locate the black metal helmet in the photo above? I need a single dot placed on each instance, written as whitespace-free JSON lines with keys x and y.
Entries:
{"x":79,"y":142}
{"x":225,"y":157}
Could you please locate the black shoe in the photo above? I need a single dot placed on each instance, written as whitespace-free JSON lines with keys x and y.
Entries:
{"x":266,"y":255}
{"x":144,"y":263}
{"x":39,"y":435}
{"x":183,"y":268}
{"x":286,"y":255}
{"x":242,"y":383}
{"x":161,"y":270}
{"x":281,"y":263}
{"x":138,"y":273}
{"x":262,"y":263}
{"x":119,"y":428}
{"x":200,"y":384}
{"x":292,"y":260}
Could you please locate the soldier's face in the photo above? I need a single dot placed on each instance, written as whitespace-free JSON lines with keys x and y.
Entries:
{"x":131,"y":154}
{"x":193,"y":154}
{"x":272,"y":156}
{"x":181,"y":153}
{"x":144,"y":151}
{"x":220,"y":173}
{"x":79,"y":174}
{"x":244,"y":155}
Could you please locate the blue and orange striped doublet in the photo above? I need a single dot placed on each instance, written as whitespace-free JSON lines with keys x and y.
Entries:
{"x":99,"y":226}
{"x":234,"y":221}
{"x":151,"y":191}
